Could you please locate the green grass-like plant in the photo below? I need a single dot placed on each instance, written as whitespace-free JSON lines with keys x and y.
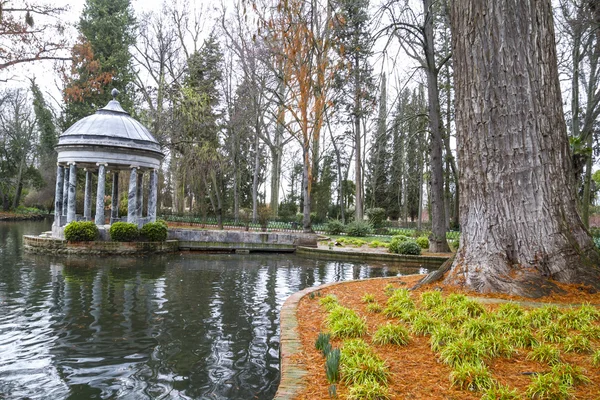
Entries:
{"x":522,"y":338}
{"x":369,"y":391}
{"x":510,"y":310}
{"x":441,"y":336}
{"x":374,"y":308}
{"x":574,"y":319}
{"x":332,"y":366}
{"x":544,"y":353}
{"x":471,"y":376}
{"x":570,"y":375}
{"x":431,"y":300}
{"x":423,"y":324}
{"x":497,"y":346}
{"x":577,"y":344}
{"x":591,"y":313}
{"x":329,"y":302}
{"x":389,"y":289}
{"x":500,"y":392}
{"x":553,"y":333}
{"x":596,"y":358}
{"x":462,"y":351}
{"x":345,"y":323}
{"x":360,"y":369}
{"x":323,"y":343}
{"x":548,"y":387}
{"x":591,"y":332}
{"x":368,"y":298}
{"x":391,"y":334}
{"x":542,"y":316}
{"x":477,"y":328}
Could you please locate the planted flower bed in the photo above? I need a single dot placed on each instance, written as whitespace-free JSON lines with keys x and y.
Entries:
{"x":397,"y":344}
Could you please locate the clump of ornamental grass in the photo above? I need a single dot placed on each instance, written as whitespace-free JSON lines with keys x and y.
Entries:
{"x":591,"y":332}
{"x":441,"y":336}
{"x":569,"y":375}
{"x":577,"y":344}
{"x":345,"y":323}
{"x":399,"y":305}
{"x":431,"y":300}
{"x":548,"y":387}
{"x":361,"y":365}
{"x":374,"y":308}
{"x":462,"y":351}
{"x":574,"y":319}
{"x":471,"y":308}
{"x":589,"y":312}
{"x":471,"y":376}
{"x":496,"y":346}
{"x":596,"y":358}
{"x":370,"y":390}
{"x":553,"y":333}
{"x":477,"y":328}
{"x":544,"y":353}
{"x":510,"y":310}
{"x":422,"y":324}
{"x":542,"y":316}
{"x":389,"y":289}
{"x":368,"y":298}
{"x":391,"y":334}
{"x":522,"y":338}
{"x":329,"y":302}
{"x":500,"y":392}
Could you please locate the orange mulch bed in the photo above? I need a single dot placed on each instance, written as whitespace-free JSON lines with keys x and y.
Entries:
{"x":416,"y":372}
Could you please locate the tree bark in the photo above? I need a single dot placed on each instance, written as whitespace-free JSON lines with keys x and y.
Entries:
{"x":358,"y":203}
{"x":520,"y":227}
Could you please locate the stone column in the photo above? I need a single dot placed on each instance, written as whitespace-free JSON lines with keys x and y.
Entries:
{"x":65,"y":202}
{"x":87,"y":200}
{"x":140,"y":194}
{"x":58,"y":194}
{"x":72,"y":190}
{"x":152,"y":194}
{"x":114,"y":204}
{"x":100,"y":194}
{"x":132,"y":196}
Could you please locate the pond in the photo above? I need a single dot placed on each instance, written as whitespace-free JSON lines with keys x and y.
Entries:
{"x":186,"y":325}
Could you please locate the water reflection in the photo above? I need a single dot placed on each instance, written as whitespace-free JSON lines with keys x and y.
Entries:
{"x":175,"y":326}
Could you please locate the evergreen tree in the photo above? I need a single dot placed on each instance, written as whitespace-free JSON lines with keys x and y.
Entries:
{"x":48,"y":137}
{"x":378,"y":165}
{"x":353,"y":43}
{"x":101,"y":59}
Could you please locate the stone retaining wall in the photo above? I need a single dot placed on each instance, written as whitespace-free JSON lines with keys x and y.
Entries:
{"x":36,"y":244}
{"x":190,"y":239}
{"x":406,"y":260}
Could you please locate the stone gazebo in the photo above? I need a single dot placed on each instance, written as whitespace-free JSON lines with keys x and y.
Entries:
{"x":107,"y":142}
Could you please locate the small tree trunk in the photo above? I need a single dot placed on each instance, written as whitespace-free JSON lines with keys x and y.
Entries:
{"x":520,"y":227}
{"x":358,"y":203}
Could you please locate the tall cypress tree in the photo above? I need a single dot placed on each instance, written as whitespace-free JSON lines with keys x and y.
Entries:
{"x":101,"y":59}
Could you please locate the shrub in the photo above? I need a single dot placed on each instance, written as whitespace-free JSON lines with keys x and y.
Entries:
{"x":154,"y":232}
{"x":395,"y":243}
{"x":334,"y":227}
{"x":83,"y":231}
{"x":358,"y":228}
{"x":376,"y":216}
{"x":409,"y":248}
{"x":423,"y":242}
{"x":264,"y":215}
{"x":123,"y":232}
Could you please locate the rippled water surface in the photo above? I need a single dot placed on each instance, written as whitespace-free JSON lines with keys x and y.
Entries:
{"x":185,"y":326}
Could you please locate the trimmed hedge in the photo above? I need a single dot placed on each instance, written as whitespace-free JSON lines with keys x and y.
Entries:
{"x":82,"y":231}
{"x":124,"y":232}
{"x":409,"y":248}
{"x":154,"y":231}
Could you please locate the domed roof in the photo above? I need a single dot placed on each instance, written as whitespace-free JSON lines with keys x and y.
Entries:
{"x":110,"y":129}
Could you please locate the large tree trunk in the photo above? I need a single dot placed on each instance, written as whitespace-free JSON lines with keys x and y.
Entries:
{"x":520,"y":227}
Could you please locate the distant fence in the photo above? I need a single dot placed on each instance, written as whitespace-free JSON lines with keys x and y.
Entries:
{"x":291,"y":226}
